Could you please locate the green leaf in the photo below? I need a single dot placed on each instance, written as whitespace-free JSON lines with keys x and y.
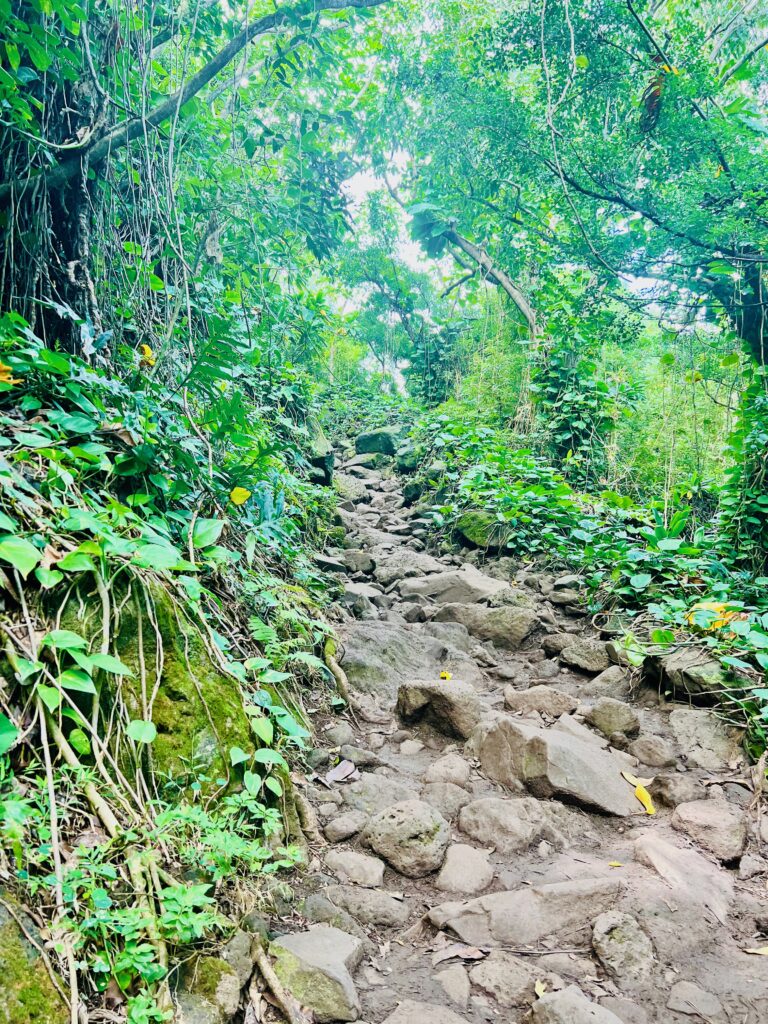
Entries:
{"x":142,"y":731}
{"x":76,"y":561}
{"x":64,"y":640}
{"x":79,"y":741}
{"x":274,"y":784}
{"x":8,"y":734}
{"x":22,"y":555}
{"x":206,"y":532}
{"x":663,"y":636}
{"x":640,"y":581}
{"x":269,"y":757}
{"x":108,"y":663}
{"x":263,"y":729}
{"x":77,"y":680}
{"x":158,"y":556}
{"x":237,"y":756}
{"x":48,"y":578}
{"x":49,"y":695}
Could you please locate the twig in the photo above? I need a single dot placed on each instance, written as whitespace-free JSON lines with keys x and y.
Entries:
{"x":293,"y":1012}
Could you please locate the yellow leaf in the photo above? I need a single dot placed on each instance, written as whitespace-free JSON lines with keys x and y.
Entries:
{"x":446,"y":675}
{"x":615,"y":864}
{"x":634,"y":780}
{"x":147,"y":356}
{"x":644,"y":797}
{"x":5,"y":375}
{"x":239,"y":495}
{"x":539,"y":987}
{"x":760,"y":951}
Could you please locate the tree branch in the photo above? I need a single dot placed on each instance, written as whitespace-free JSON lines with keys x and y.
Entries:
{"x":130,"y":129}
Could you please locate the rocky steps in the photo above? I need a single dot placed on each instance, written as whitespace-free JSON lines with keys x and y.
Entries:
{"x":485,"y":859}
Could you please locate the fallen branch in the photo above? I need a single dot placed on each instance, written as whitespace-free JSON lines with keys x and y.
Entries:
{"x":291,"y":1009}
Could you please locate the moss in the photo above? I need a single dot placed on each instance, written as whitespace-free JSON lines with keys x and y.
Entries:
{"x":336,"y":536}
{"x":27,"y":995}
{"x":207,"y":975}
{"x":479,"y":529}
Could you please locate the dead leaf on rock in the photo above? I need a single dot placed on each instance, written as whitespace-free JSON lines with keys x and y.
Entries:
{"x":344,"y":771}
{"x":458,"y":950}
{"x":539,"y":987}
{"x":634,"y":780}
{"x":759,"y":951}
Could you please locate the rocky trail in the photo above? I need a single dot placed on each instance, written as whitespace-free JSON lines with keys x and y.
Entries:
{"x":484,"y":857}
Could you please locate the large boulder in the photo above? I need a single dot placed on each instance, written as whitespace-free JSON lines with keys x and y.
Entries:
{"x":385,"y":440}
{"x":706,"y":740}
{"x":588,"y":655}
{"x":404,"y":563}
{"x":552,"y":762}
{"x":512,"y":826}
{"x":26,"y":990}
{"x":450,"y":705}
{"x":506,"y":627}
{"x":465,"y":585}
{"x":690,"y":670}
{"x":714,"y":824}
{"x":314,"y":966}
{"x":570,"y":1006}
{"x":525,"y":916}
{"x":479,"y":529}
{"x":411,"y":836}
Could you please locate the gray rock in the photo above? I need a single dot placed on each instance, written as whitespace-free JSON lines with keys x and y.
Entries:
{"x":237,"y":953}
{"x":466,"y":585}
{"x":691,"y":877}
{"x":373,"y":793}
{"x":508,"y":978}
{"x":410,"y":1012}
{"x":454,"y":981}
{"x":564,"y":597}
{"x":446,"y":797}
{"x":714,"y":824}
{"x":654,"y":751}
{"x":554,"y":643}
{"x":342,"y":826}
{"x":339,"y":734}
{"x":505,"y":627}
{"x":690,"y":671}
{"x":625,"y":1009}
{"x":411,"y":836}
{"x":570,"y":1006}
{"x":622,"y":947}
{"x":314,"y":966}
{"x":318,"y":909}
{"x":359,"y":756}
{"x":616,"y":677}
{"x":357,"y":560}
{"x":543,"y":699}
{"x":465,"y":870}
{"x":685,"y":997}
{"x":384,"y":440}
{"x":511,"y":826}
{"x":525,"y":916}
{"x":707,"y":741}
{"x":589,"y":655}
{"x":553,"y":763}
{"x":402,"y":564}
{"x":192,"y":1009}
{"x":449,"y":768}
{"x":450,"y":705}
{"x":673,"y":788}
{"x":349,"y":866}
{"x":215,"y":981}
{"x":368,"y":906}
{"x":610,"y":716}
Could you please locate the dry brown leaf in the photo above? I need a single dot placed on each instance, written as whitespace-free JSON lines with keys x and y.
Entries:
{"x":344,"y":771}
{"x":759,"y":951}
{"x":460,"y":950}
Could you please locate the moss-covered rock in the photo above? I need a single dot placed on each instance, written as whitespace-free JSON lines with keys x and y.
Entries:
{"x":385,"y":440}
{"x":27,"y":995}
{"x":408,"y":459}
{"x":321,"y":452}
{"x":214,"y":981}
{"x":314,"y":966}
{"x":480,"y":529}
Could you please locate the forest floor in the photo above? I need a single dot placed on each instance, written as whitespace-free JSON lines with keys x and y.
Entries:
{"x":485,"y":858}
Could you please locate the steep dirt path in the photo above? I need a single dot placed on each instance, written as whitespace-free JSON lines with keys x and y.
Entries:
{"x":486,"y":859}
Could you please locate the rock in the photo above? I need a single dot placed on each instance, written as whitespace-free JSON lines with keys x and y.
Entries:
{"x":688,"y":670}
{"x":450,"y":768}
{"x":403,"y":564}
{"x":357,"y":560}
{"x":707,"y":741}
{"x":384,"y":440}
{"x":359,"y":756}
{"x":570,"y":1006}
{"x":214,"y":980}
{"x":564,"y":597}
{"x":554,"y":643}
{"x":367,"y":459}
{"x":509,"y":979}
{"x":685,"y":997}
{"x":190,"y":1009}
{"x":589,"y":655}
{"x":465,"y":870}
{"x":506,"y":627}
{"x":410,"y":1012}
{"x":314,"y":966}
{"x":339,"y":734}
{"x":654,"y":751}
{"x":673,"y":788}
{"x":446,"y":797}
{"x":26,"y":990}
{"x":329,"y":563}
{"x":479,"y":529}
{"x":373,"y":793}
{"x":626,"y":1010}
{"x":691,"y":877}
{"x":714,"y":824}
{"x":610,"y":716}
{"x":411,"y":747}
{"x":318,"y":909}
{"x":455,"y":983}
{"x":511,"y":826}
{"x":349,"y":866}
{"x":544,"y":699}
{"x":450,"y":705}
{"x":466,"y":585}
{"x":551,"y":762}
{"x":411,"y":836}
{"x":622,"y":947}
{"x":616,"y":677}
{"x":368,"y":906}
{"x":237,"y":953}
{"x":525,"y":916}
{"x":568,"y":582}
